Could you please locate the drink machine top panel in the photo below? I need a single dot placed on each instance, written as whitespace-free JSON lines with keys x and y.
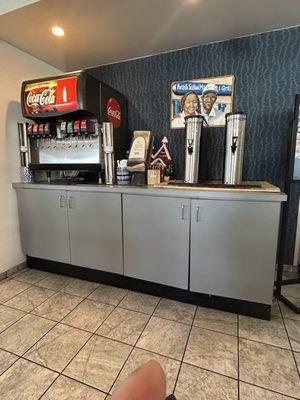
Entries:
{"x":75,"y":96}
{"x":69,"y":94}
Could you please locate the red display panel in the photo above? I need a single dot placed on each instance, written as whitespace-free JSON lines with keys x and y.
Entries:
{"x":114,"y":113}
{"x":59,"y":95}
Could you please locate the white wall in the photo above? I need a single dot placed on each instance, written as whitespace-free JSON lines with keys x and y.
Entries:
{"x":15,"y":66}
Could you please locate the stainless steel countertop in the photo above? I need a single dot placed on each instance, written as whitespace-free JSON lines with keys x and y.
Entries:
{"x":262,"y":194}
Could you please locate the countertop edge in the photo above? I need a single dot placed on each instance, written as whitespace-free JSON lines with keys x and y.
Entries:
{"x":164,"y":192}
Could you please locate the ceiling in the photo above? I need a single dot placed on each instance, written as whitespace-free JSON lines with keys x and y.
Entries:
{"x":99,"y":32}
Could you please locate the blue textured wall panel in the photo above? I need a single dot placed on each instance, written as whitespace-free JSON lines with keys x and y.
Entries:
{"x":267,"y":77}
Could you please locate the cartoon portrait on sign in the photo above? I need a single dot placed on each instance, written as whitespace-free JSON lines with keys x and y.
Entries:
{"x":210,"y":97}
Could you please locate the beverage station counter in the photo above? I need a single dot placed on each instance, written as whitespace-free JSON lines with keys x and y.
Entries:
{"x":207,"y":245}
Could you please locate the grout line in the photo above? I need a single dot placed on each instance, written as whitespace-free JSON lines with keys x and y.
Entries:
{"x":93,"y":387}
{"x":56,"y":323}
{"x":90,"y":338}
{"x":150,"y":315}
{"x":133,"y":347}
{"x":157,"y":316}
{"x":17,"y":293}
{"x":211,"y":371}
{"x":18,"y":357}
{"x":83,"y":383}
{"x":295,"y":361}
{"x":158,"y":354}
{"x":184,"y":351}
{"x":49,"y":386}
{"x":94,"y":332}
{"x":288,"y":396}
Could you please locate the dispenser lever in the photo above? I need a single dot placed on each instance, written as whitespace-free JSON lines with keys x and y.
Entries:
{"x":234,"y":144}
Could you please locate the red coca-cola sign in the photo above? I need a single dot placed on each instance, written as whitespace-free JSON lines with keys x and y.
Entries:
{"x":114,"y":114}
{"x":51,"y":96}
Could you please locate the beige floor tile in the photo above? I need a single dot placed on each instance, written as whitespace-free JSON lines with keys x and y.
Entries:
{"x":216,"y":320}
{"x":164,"y":337}
{"x":6,"y":360}
{"x":9,"y":316}
{"x":57,"y":306}
{"x":25,"y":381}
{"x":175,"y":310}
{"x":124,"y":325}
{"x":291,"y":290}
{"x":99,"y":362}
{"x":269,"y":367}
{"x":19,"y":337}
{"x":288,"y":313}
{"x":30,"y":298}
{"x":250,"y":392}
{"x":108,"y":294}
{"x":140,"y":302}
{"x":56,"y":349}
{"x":215,"y":351}
{"x":68,"y":389}
{"x":31,"y":276}
{"x":293,"y":328}
{"x":88,"y":315}
{"x":14,"y":274}
{"x":270,"y":332}
{"x":197,"y":384}
{"x":10,"y":288}
{"x":55,"y":282}
{"x":139,"y":357}
{"x":80,"y":288}
{"x":297,"y":357}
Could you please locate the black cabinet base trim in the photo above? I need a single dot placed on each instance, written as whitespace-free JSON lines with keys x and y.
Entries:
{"x":249,"y":308}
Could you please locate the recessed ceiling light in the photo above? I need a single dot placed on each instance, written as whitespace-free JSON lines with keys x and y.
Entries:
{"x":57,"y":31}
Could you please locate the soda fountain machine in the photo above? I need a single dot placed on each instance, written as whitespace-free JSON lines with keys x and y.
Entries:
{"x":78,"y":127}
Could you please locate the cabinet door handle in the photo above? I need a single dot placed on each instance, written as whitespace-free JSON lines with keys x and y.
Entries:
{"x":197,"y":213}
{"x":71,"y":202}
{"x":61,"y":201}
{"x":182,"y":211}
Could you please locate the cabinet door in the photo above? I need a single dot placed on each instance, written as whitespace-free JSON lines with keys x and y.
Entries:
{"x":233,"y":248}
{"x":43,"y":223}
{"x":156,"y":239}
{"x":95,"y":224}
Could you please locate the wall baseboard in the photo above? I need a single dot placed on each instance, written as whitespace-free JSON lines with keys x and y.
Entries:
{"x":13,"y":270}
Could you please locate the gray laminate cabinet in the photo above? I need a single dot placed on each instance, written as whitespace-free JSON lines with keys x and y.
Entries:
{"x":95,"y":225}
{"x":233,"y":248}
{"x":43,"y":224}
{"x":156,"y":239}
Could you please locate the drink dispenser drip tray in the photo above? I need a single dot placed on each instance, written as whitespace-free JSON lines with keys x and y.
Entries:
{"x":216,"y":185}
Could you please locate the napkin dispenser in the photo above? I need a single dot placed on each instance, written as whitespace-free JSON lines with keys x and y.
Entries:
{"x":139,"y":156}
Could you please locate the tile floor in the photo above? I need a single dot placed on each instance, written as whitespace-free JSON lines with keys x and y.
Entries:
{"x":68,"y":339}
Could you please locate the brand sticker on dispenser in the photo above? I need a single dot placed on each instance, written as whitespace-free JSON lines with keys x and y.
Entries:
{"x":114,"y":114}
{"x":50,"y":96}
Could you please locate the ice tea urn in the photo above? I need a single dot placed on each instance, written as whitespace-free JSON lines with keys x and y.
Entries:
{"x":234,"y":147}
{"x":193,"y":128}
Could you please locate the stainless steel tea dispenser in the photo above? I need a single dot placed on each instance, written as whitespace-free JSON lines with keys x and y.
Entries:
{"x":234,"y":147}
{"x":193,"y":129}
{"x":108,"y":147}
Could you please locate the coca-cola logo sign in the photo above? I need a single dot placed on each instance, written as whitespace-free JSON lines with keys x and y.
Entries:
{"x":56,"y":95}
{"x":114,"y":114}
{"x":46,"y":97}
